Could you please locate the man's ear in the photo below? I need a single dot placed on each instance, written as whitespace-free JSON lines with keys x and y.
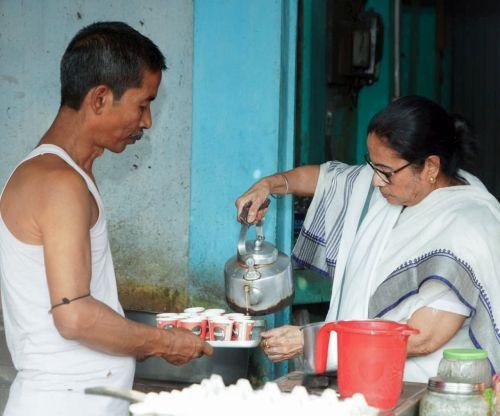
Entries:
{"x":100,"y":97}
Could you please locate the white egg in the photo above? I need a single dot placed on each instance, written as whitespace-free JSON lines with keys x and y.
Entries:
{"x":272,"y":390}
{"x":358,"y":398}
{"x":330,"y":395}
{"x":244,"y":384}
{"x":212,"y":398}
{"x":141,"y":409}
{"x":300,"y":393}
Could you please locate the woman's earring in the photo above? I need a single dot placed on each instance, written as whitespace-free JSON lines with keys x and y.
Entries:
{"x":432,"y":179}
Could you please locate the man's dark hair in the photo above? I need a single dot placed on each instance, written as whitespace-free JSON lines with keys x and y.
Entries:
{"x":106,"y":53}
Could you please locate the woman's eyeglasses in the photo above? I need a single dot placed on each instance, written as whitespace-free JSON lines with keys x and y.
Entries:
{"x":387,"y":174}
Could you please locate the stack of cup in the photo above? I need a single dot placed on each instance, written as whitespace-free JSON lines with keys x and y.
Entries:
{"x":209,"y":324}
{"x":242,"y":326}
{"x":194,"y":321}
{"x":167,"y":320}
{"x":221,"y":328}
{"x":210,"y":314}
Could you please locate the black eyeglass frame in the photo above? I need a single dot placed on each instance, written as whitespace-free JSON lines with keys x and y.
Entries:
{"x":385,"y":176}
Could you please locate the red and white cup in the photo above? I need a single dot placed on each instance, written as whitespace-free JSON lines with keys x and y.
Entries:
{"x":214,"y":312}
{"x":166,"y":320}
{"x":194,"y":310}
{"x":242,"y":329}
{"x":234,"y":316}
{"x":166,"y":314}
{"x":207,"y":328}
{"x":196,"y":324}
{"x":221,"y":328}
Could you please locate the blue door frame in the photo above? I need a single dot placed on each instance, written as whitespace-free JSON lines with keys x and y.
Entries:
{"x":243,"y":129}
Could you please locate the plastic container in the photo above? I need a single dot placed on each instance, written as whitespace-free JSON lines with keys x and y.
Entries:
{"x":466,"y":365}
{"x":452,"y":399}
{"x":371,"y":358}
{"x":309,"y":335}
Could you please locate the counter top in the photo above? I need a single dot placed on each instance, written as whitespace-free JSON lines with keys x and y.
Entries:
{"x":407,"y":405}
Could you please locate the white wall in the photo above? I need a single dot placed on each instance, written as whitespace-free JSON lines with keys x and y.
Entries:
{"x":145,"y":189}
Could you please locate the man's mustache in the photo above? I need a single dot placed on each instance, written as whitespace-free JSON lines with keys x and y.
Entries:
{"x":137,"y":135}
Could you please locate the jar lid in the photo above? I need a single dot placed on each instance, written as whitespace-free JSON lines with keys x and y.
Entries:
{"x":439,"y":385}
{"x":465,"y":354}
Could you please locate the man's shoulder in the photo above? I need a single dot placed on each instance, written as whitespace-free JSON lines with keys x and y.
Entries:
{"x":46,"y":176}
{"x":53,"y":170}
{"x":41,"y":190}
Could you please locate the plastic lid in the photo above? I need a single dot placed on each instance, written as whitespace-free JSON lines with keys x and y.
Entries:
{"x":465,"y":354}
{"x":437,"y":384}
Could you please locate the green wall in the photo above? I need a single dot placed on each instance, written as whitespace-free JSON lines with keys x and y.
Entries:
{"x":376,"y":96}
{"x":418,"y":63}
{"x":311,"y":102}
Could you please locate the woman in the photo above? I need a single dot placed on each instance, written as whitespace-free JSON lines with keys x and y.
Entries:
{"x":408,"y":237}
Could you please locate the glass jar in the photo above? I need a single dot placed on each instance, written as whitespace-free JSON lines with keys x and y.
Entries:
{"x":452,"y":399}
{"x":465,"y":365}
{"x":496,"y":391}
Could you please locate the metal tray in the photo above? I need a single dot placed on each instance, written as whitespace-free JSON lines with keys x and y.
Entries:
{"x":230,"y":363}
{"x":235,"y":344}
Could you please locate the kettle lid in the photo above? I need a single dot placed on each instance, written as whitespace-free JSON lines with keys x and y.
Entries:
{"x":260,"y":250}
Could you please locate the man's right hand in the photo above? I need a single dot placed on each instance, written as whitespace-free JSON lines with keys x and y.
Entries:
{"x":182,"y":346}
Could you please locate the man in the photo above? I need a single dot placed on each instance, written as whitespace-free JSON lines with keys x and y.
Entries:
{"x":54,"y":249}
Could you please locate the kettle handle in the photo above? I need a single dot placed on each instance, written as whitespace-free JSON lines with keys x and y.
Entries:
{"x":322,"y":341}
{"x":259,"y":227}
{"x":244,"y":212}
{"x":242,"y":248}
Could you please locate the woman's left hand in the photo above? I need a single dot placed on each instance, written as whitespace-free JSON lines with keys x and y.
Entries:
{"x":282,"y":343}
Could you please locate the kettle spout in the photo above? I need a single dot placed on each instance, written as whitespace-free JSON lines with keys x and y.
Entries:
{"x":253,"y":296}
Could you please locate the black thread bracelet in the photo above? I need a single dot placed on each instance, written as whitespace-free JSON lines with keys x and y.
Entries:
{"x":66,"y":301}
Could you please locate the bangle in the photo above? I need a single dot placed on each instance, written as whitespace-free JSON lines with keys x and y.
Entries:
{"x":286,"y":187}
{"x":286,"y":182}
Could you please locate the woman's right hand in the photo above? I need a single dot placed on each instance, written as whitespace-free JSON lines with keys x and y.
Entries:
{"x":256,"y":196}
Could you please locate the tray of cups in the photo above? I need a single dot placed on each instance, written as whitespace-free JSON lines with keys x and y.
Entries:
{"x":235,"y":344}
{"x":219,"y":329}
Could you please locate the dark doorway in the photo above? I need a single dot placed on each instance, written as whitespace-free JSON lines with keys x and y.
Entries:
{"x":473,"y":39}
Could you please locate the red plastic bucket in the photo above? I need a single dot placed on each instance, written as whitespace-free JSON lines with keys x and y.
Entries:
{"x":371,"y":358}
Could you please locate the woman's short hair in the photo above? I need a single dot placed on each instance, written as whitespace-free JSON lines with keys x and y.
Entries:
{"x":416,"y":127}
{"x":106,"y":53}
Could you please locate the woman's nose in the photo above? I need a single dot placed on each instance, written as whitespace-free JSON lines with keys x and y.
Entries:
{"x":377,"y":181}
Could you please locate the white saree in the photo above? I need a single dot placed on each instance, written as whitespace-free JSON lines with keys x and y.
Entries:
{"x":391,"y":262}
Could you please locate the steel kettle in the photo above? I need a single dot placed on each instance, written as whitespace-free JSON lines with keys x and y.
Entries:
{"x":258,"y":280}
